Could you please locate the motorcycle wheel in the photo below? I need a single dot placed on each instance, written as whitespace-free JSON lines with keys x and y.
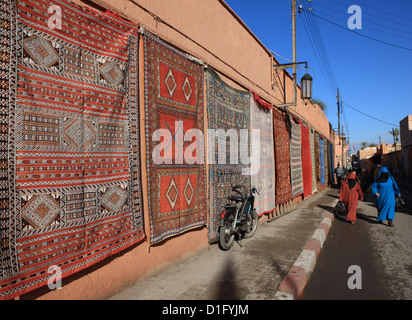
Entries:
{"x":226,"y":236}
{"x":253,"y":223}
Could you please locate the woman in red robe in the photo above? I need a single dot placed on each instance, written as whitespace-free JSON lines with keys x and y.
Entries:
{"x":350,"y":193}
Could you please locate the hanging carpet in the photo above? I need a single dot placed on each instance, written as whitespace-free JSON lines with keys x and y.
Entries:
{"x":70,"y":171}
{"x":317,"y":159}
{"x":261,"y":118}
{"x":312,"y":153}
{"x":296,"y":175}
{"x":228,"y":108}
{"x":306,"y":160}
{"x":322,"y":160}
{"x":281,"y":127}
{"x":176,"y":176}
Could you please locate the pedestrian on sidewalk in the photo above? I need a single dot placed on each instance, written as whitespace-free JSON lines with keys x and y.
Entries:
{"x":339,"y":175}
{"x":385,"y":189}
{"x":366,"y":182}
{"x":350,"y":193}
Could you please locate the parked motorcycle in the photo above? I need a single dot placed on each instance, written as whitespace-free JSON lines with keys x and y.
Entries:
{"x":239,"y":218}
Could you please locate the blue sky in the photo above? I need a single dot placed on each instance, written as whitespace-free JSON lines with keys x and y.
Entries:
{"x":374,"y":79}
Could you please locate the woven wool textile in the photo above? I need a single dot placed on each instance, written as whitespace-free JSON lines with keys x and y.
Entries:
{"x":228,"y":108}
{"x":326,"y":146}
{"x":262,"y":119}
{"x":306,"y":160}
{"x":331,"y":163}
{"x":322,"y":161}
{"x":312,"y":153}
{"x":281,"y":127}
{"x":70,"y":142}
{"x":317,"y":159}
{"x":173,"y":103}
{"x":296,"y":175}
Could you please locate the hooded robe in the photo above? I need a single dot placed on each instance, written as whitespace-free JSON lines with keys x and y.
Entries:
{"x":387,"y":188}
{"x":350,"y":193}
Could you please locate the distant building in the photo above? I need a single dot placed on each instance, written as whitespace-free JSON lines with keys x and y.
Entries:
{"x":367,"y":152}
{"x":406,"y":151}
{"x":391,"y":157}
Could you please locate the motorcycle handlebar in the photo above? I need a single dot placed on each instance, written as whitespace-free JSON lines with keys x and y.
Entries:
{"x":234,"y":188}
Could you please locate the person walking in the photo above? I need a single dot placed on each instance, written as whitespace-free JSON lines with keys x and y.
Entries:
{"x":365,"y":181}
{"x":350,"y":193}
{"x":339,"y":175}
{"x":385,"y":189}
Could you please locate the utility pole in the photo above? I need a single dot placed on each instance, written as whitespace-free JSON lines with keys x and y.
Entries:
{"x":294,"y":51}
{"x":342,"y":150}
{"x":339,"y":123}
{"x":338,"y":117}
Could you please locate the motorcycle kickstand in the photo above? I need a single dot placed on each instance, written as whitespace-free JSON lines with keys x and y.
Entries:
{"x":240,"y":241}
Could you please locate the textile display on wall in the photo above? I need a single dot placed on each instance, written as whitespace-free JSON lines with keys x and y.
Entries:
{"x":312,"y":153}
{"x":262,"y":119}
{"x":296,"y":175}
{"x":317,"y":159}
{"x":326,"y":154}
{"x":331,"y":163}
{"x":71,"y":192}
{"x":174,"y":107}
{"x":228,"y":108}
{"x":281,"y":127}
{"x":306,"y":160}
{"x":322,"y":160}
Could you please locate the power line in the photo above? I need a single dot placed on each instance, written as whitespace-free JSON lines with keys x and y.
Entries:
{"x":365,"y":114}
{"x":373,"y":8}
{"x":322,"y":49}
{"x":369,"y":22}
{"x":359,"y":34}
{"x":319,"y":51}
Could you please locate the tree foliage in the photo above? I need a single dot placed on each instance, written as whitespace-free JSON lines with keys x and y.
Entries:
{"x":320,"y":103}
{"x":395,"y":133}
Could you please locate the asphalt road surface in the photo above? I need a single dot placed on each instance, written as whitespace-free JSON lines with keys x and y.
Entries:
{"x":380,"y":256}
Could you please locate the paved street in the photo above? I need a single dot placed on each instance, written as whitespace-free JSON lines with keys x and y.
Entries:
{"x":383,"y":254}
{"x":252,"y":271}
{"x":255,"y":270}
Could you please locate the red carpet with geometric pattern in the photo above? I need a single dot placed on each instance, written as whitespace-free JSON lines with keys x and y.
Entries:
{"x":173,"y":106}
{"x":70,"y":171}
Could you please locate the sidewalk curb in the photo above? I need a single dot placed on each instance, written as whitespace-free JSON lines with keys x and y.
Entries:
{"x":294,"y":283}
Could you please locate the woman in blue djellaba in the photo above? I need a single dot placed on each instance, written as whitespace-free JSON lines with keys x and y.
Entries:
{"x":385,"y":189}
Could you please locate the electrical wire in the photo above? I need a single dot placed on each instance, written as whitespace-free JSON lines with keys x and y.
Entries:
{"x":357,"y":33}
{"x":365,"y":16}
{"x":369,"y":116}
{"x":373,"y":8}
{"x":344,"y":21}
{"x":322,"y":49}
{"x":318,"y":48}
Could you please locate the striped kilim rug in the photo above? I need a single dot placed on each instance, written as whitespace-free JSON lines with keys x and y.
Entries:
{"x":312,"y":153}
{"x":296,"y":174}
{"x":70,"y":172}
{"x":317,"y":159}
{"x":322,"y":160}
{"x":264,"y":180}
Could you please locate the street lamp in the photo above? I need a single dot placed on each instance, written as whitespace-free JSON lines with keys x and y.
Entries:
{"x":306,"y":86}
{"x":306,"y":81}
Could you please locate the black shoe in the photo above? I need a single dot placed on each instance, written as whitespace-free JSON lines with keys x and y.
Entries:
{"x":390,"y":223}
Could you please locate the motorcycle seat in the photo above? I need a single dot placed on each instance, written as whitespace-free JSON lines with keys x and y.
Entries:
{"x":235,"y":198}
